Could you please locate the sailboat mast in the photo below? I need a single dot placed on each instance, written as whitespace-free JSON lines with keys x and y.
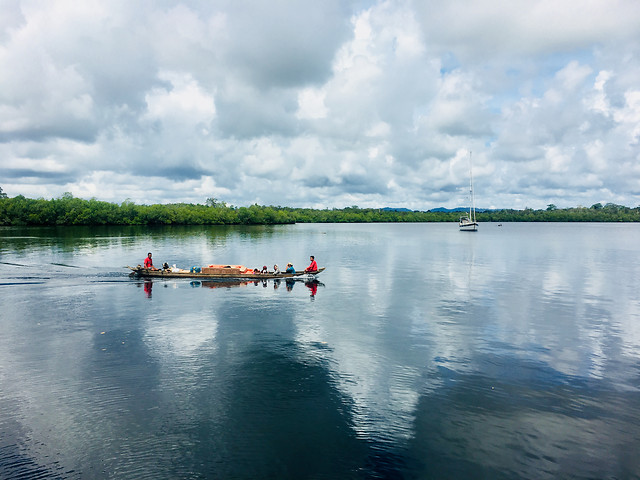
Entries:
{"x":472,"y":207}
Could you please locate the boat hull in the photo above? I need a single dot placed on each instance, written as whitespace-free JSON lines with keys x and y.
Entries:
{"x":145,"y":272}
{"x":468,"y":227}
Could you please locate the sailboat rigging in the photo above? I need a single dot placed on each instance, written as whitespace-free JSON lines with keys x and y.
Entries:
{"x":468,"y":222}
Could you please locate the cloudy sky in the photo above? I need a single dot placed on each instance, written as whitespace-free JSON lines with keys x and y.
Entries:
{"x":326,"y":103}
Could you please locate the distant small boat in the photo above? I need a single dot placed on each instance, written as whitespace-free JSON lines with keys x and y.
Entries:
{"x":217,"y":271}
{"x":468,"y":222}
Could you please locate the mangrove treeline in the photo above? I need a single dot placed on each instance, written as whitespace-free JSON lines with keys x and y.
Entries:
{"x":68,"y":210}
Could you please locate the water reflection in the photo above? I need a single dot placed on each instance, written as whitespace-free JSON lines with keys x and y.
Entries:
{"x":148,"y":286}
{"x":311,"y":284}
{"x":224,"y":283}
{"x":243,"y":394}
{"x":428,"y":354}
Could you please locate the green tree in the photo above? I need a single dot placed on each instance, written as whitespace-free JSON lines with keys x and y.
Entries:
{"x":214,"y":202}
{"x":68,"y":210}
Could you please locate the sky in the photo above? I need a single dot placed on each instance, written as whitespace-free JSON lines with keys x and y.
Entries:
{"x":322,"y":104}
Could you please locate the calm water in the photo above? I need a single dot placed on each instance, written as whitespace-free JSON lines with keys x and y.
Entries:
{"x":424,"y":352}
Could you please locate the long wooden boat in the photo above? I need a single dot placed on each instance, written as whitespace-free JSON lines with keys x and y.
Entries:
{"x":228,"y":271}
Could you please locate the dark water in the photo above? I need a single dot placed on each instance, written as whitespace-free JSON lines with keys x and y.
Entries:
{"x":424,"y":352}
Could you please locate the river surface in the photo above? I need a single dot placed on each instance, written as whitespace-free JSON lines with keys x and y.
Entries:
{"x":422,"y":352}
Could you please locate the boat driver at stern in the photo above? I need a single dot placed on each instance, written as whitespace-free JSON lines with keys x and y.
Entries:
{"x":313,"y":267}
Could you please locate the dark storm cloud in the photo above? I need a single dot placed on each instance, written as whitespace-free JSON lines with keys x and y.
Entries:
{"x":78,"y":131}
{"x":257,"y":115}
{"x":289,"y":43}
{"x":177,"y":173}
{"x":35,"y":176}
{"x":361,"y":183}
{"x":318,"y":182}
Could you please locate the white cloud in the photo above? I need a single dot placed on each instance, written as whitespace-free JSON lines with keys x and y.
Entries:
{"x":311,"y":104}
{"x":183,"y":104}
{"x":322,"y":104}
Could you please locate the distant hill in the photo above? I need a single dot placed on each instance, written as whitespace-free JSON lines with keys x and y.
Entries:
{"x":392,"y":209}
{"x":461,"y":209}
{"x":442,"y":209}
{"x":439,"y":209}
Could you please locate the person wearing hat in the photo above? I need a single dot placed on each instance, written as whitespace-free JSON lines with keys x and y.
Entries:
{"x":290,"y":268}
{"x":276,"y":270}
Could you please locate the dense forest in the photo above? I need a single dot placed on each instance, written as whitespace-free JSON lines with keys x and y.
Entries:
{"x":69,"y":210}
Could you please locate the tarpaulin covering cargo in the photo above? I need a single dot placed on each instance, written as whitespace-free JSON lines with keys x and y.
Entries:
{"x":226,"y":269}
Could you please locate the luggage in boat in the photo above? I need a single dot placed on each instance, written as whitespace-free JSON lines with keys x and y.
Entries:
{"x":224,"y":269}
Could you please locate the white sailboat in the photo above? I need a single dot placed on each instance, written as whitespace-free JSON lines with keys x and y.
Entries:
{"x":468,"y":222}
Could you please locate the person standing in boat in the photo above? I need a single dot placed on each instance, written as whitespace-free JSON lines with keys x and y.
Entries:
{"x":313,"y":267}
{"x":148,"y":263}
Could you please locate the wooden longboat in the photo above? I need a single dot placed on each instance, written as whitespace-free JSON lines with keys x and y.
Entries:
{"x":169,"y":273}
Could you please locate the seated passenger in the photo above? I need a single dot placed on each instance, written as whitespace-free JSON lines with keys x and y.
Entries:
{"x":276,"y":270}
{"x":148,"y":263}
{"x":290,"y":268}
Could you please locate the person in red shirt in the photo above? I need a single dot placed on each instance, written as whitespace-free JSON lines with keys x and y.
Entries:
{"x":313,"y":267}
{"x":148,"y":263}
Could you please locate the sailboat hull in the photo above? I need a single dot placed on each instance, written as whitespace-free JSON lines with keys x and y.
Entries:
{"x":467,"y":225}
